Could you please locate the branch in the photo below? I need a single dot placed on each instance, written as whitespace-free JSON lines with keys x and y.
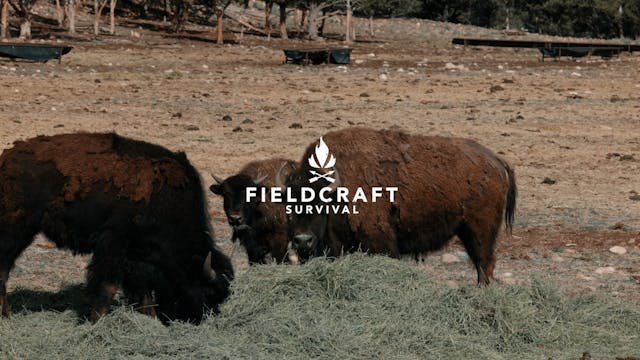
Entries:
{"x":247,"y":25}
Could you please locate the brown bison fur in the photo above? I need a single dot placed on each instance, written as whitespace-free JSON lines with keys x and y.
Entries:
{"x":446,"y":187}
{"x":138,"y":207}
{"x":261,"y":227}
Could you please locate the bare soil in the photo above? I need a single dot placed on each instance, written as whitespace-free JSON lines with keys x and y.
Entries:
{"x":572,"y":121}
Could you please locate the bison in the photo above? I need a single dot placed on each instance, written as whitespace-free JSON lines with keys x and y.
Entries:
{"x":445,"y":187}
{"x":137,"y":207}
{"x":261,"y":227}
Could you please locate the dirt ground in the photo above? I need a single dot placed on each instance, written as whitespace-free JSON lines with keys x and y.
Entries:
{"x":572,"y":121}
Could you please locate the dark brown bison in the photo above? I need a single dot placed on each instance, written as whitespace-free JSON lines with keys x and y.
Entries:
{"x":138,"y":207}
{"x":261,"y":227}
{"x":446,"y":187}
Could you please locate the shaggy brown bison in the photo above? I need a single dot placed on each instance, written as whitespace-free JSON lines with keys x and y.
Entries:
{"x":445,"y":187}
{"x":138,"y":207}
{"x":261,"y":227}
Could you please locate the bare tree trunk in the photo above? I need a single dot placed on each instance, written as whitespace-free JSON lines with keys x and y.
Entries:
{"x":59,"y":13}
{"x":304,"y":19}
{"x":98,"y":6}
{"x":71,"y":14}
{"x":313,"y":21}
{"x":25,"y":28}
{"x":112,"y":16}
{"x":283,"y":21}
{"x":267,"y":15}
{"x":220,"y":40}
{"x":348,"y":31}
{"x":4,"y":19}
{"x":371,"y":31}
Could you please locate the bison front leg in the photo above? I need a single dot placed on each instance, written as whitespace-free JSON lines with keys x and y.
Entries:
{"x":105,"y":273}
{"x":103,"y":299}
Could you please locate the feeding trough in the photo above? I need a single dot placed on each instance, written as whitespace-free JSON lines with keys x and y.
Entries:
{"x":317,"y":56}
{"x":35,"y":52}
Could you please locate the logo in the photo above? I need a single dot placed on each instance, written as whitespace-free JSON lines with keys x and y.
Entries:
{"x":323,"y":160}
{"x":330,"y":199}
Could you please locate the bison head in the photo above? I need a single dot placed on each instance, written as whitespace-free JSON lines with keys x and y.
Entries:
{"x":239,"y":212}
{"x":308,"y":232}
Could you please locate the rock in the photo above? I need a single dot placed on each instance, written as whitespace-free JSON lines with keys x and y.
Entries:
{"x":462,"y":255}
{"x":605,"y":270}
{"x":627,"y":158}
{"x":227,"y":118}
{"x":495,"y":88}
{"x":557,"y":258}
{"x":635,"y":197}
{"x":620,"y":250}
{"x":237,"y":129}
{"x":191,"y":128}
{"x":383,"y":77}
{"x":615,"y":98}
{"x":548,"y":181}
{"x":247,"y":121}
{"x":295,"y":126}
{"x":364,"y":94}
{"x":359,"y":61}
{"x":176,"y":115}
{"x":450,"y":258}
{"x":618,"y":226}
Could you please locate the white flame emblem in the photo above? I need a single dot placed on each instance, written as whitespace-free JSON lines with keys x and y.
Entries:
{"x":323,"y":161}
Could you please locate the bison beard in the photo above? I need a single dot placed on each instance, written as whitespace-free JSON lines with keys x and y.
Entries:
{"x":446,"y":187}
{"x":138,"y":207}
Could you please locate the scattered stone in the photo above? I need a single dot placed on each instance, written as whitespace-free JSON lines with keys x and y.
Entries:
{"x":364,"y":94}
{"x":295,"y":126}
{"x":247,"y":121}
{"x":627,"y":158}
{"x":635,"y":197}
{"x":495,"y":88}
{"x":97,"y":81}
{"x":359,"y":61}
{"x":548,"y":181}
{"x":508,"y":81}
{"x":58,"y":126}
{"x":176,"y":115}
{"x":383,"y":77}
{"x":618,"y":226}
{"x":615,"y":98}
{"x":620,"y":250}
{"x":605,"y":270}
{"x":237,"y":129}
{"x":462,"y":255}
{"x":192,"y":128}
{"x":452,"y":66}
{"x":450,"y":258}
{"x":227,"y":118}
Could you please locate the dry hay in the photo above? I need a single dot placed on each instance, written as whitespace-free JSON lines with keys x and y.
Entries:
{"x":356,"y":307}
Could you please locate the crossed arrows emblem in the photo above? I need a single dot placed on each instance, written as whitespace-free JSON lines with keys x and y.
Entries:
{"x":318,"y":176}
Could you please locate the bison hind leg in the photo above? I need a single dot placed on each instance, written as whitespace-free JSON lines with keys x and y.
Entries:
{"x":480,"y":245}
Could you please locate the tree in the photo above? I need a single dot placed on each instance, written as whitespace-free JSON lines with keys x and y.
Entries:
{"x":98,"y":6}
{"x":23,"y":9}
{"x":219,"y":7}
{"x":4,"y":19}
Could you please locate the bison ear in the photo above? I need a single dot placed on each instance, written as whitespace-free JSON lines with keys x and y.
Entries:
{"x":216,"y":189}
{"x":207,"y":268}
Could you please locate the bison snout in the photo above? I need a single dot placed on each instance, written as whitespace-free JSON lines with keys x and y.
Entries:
{"x":235,"y":220}
{"x":302,"y":241}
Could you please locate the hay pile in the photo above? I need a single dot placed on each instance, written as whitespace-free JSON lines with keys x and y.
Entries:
{"x":356,"y":307}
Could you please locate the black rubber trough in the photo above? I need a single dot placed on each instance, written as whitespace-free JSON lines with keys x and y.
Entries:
{"x":317,"y":56}
{"x":35,"y":52}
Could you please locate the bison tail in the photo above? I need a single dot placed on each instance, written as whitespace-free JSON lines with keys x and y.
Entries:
{"x":512,"y":193}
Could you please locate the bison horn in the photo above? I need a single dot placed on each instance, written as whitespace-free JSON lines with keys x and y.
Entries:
{"x":259,"y":180}
{"x":336,"y":183}
{"x":279,"y":183}
{"x":208,"y":272}
{"x":217,"y":179}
